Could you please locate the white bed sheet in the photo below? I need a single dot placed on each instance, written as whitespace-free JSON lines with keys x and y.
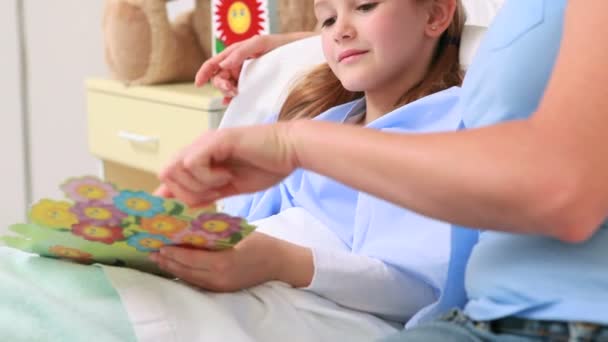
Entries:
{"x":165,"y":310}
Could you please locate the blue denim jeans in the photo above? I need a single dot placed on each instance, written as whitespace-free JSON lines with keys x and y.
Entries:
{"x":457,"y":327}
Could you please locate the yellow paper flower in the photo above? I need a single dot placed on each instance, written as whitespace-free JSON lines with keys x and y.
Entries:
{"x":53,"y":214}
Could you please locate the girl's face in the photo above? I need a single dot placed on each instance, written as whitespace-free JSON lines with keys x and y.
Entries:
{"x":370,"y":43}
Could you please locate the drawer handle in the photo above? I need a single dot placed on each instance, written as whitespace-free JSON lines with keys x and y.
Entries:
{"x":137,"y":138}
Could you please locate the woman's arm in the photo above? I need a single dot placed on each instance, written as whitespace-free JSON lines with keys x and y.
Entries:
{"x":546,"y":175}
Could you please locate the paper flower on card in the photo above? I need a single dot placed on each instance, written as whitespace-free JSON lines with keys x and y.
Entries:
{"x":139,"y":203}
{"x":238,"y":20}
{"x":145,"y":242}
{"x":196,"y":239}
{"x":163,"y":225}
{"x":89,"y":188}
{"x":71,"y":253}
{"x":53,"y":214}
{"x":103,"y":234}
{"x":98,"y":213}
{"x":220,"y":225}
{"x":119,"y":228}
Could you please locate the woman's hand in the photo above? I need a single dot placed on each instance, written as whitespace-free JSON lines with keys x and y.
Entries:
{"x":257,"y":259}
{"x":224,"y":69}
{"x":230,"y":161}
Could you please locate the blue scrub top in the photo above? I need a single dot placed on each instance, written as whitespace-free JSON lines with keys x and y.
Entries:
{"x":515,"y":275}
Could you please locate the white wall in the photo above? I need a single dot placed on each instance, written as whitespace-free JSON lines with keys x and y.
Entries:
{"x":64,"y":43}
{"x":12,"y":180}
{"x":65,"y":46}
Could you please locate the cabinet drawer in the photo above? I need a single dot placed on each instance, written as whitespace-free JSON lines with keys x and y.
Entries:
{"x":139,"y":133}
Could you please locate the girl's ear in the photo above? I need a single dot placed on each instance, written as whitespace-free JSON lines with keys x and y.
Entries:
{"x":440,"y":15}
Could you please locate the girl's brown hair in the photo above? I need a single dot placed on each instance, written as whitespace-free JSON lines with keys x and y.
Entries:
{"x":320,"y":89}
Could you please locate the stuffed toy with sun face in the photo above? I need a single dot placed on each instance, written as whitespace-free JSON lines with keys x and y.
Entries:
{"x":143,"y":46}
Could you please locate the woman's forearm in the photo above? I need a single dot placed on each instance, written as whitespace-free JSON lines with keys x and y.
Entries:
{"x":545,"y":175}
{"x":507,"y":173}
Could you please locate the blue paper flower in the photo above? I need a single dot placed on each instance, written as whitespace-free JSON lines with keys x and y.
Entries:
{"x":139,"y":203}
{"x":145,"y":242}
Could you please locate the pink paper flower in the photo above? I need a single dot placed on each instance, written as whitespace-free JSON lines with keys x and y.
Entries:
{"x":89,"y":188}
{"x":197,"y":239}
{"x":98,"y":213}
{"x":216,"y":224}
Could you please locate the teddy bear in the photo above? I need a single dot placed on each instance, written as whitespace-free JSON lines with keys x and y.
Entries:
{"x":143,"y":46}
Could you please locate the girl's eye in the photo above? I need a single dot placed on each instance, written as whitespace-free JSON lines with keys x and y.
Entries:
{"x":367,"y":7}
{"x":328,"y":22}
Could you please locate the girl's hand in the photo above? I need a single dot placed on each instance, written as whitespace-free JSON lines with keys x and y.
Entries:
{"x":230,"y":161}
{"x":257,"y":259}
{"x":224,"y":69}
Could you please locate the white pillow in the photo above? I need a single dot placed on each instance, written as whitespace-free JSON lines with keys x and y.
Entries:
{"x":480,"y":14}
{"x":265,"y":82}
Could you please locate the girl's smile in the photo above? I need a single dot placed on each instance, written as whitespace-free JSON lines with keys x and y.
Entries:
{"x":351,"y":56}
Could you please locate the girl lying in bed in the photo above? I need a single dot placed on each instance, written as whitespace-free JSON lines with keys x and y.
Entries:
{"x":325,"y":263}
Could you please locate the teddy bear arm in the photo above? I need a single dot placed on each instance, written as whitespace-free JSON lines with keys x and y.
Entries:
{"x":127,"y":38}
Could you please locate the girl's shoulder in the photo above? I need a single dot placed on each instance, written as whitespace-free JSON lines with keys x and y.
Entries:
{"x":339,"y":113}
{"x":432,"y":113}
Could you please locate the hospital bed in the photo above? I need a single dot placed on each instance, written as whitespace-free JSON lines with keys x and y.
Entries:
{"x":263,"y":85}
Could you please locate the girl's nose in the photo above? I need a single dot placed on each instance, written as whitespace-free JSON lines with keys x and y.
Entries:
{"x":343,"y":30}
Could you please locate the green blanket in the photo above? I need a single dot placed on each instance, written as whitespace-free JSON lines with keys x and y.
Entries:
{"x":50,"y":300}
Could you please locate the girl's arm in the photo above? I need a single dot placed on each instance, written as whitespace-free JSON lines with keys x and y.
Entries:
{"x":545,"y":175}
{"x":372,"y":286}
{"x":224,"y":69}
{"x":391,"y":273}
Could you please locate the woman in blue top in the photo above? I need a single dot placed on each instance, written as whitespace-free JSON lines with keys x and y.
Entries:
{"x":530,"y":170}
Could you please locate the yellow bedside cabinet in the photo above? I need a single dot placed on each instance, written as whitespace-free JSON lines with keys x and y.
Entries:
{"x":136,"y":130}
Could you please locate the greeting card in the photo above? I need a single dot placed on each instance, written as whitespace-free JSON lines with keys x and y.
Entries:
{"x":100,"y":223}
